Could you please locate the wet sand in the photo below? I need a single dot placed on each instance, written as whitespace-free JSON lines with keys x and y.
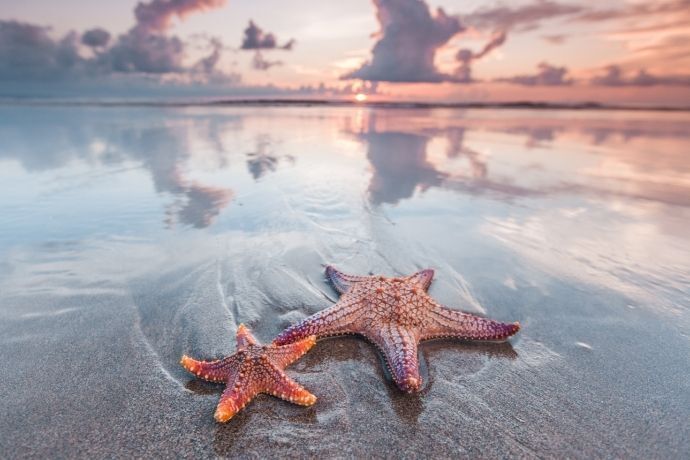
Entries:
{"x":140,"y":234}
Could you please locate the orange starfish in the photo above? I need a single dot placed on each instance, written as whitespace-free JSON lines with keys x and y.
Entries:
{"x":395,"y":314}
{"x":253,"y":369}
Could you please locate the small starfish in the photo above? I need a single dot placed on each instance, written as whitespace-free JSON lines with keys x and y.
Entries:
{"x":395,"y":314}
{"x":253,"y":369}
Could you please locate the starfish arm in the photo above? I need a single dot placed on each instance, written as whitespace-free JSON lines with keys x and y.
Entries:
{"x":244,"y":337}
{"x":285,"y":355}
{"x":283,"y":387}
{"x":336,"y":320}
{"x":399,"y":347}
{"x":423,"y":278}
{"x":214,"y":371}
{"x":444,"y":322}
{"x":239,"y":391}
{"x":341,"y":281}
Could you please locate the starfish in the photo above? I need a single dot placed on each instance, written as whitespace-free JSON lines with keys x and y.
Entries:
{"x":253,"y":369}
{"x":395,"y":314}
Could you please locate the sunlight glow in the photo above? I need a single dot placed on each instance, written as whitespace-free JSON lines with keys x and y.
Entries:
{"x":360,"y":97}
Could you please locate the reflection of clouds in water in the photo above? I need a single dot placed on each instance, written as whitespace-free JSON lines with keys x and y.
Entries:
{"x":197,"y":205}
{"x":400,"y":166}
{"x":635,"y":158}
{"x":457,"y":148}
{"x":163,"y":151}
{"x":500,"y":154}
{"x":263,"y":160}
{"x":602,"y":248}
{"x":161,"y":147}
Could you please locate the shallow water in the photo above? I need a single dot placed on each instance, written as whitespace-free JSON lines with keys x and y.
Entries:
{"x":131,"y":235}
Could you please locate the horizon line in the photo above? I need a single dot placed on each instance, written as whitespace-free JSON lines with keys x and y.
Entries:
{"x":307,"y":102}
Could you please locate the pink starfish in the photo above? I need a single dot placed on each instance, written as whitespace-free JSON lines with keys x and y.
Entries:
{"x":395,"y":314}
{"x":253,"y":369}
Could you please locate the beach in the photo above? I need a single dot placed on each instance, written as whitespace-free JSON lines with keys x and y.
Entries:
{"x":134,"y":234}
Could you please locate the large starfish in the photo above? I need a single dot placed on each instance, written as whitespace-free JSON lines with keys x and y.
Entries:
{"x":253,"y":369}
{"x":395,"y":314}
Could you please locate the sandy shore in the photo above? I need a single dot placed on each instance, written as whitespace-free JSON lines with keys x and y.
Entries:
{"x":97,"y":375}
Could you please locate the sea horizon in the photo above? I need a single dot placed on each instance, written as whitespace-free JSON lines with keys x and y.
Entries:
{"x":332,"y":102}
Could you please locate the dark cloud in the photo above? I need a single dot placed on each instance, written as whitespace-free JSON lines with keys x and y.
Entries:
{"x":28,"y":52}
{"x":547,"y":75}
{"x":555,"y":39}
{"x":501,"y":20}
{"x":147,"y":48}
{"x":256,"y":39}
{"x":410,"y":37}
{"x":156,"y":15}
{"x":259,"y":63}
{"x":141,"y":51}
{"x":96,"y":38}
{"x":524,"y":17}
{"x":634,"y":10}
{"x":466,"y":56}
{"x":208,"y":63}
{"x":614,"y":76}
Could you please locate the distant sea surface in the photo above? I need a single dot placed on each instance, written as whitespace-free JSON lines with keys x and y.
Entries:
{"x":130,"y":235}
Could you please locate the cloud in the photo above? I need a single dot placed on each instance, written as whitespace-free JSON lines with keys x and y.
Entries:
{"x":465,"y":56}
{"x":614,"y":76}
{"x":555,"y":39}
{"x":96,"y":38}
{"x":27,"y":51}
{"x":208,"y":63}
{"x":259,"y":63}
{"x":410,"y":37}
{"x":156,"y":15}
{"x":524,"y":17}
{"x":547,"y":75}
{"x":501,"y":20}
{"x":141,"y":51}
{"x":634,"y":10}
{"x":256,"y":39}
{"x":146,"y":48}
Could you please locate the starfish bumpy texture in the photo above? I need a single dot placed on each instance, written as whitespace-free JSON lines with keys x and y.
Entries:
{"x":253,"y":369}
{"x":395,"y":314}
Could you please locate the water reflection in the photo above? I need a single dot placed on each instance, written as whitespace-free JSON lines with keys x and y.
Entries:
{"x":618,"y":164}
{"x":630,"y":156}
{"x":161,"y":147}
{"x":400,"y":166}
{"x":263,"y":159}
{"x":197,"y":205}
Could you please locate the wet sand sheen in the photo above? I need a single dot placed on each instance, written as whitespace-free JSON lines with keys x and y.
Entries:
{"x":140,"y":234}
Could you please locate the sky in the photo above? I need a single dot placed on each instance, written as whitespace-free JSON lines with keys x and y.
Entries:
{"x":619,"y":51}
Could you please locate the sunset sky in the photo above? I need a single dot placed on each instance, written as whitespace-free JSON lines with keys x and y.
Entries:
{"x":619,"y":51}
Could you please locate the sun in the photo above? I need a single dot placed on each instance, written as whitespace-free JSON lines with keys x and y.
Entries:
{"x":360,"y":97}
